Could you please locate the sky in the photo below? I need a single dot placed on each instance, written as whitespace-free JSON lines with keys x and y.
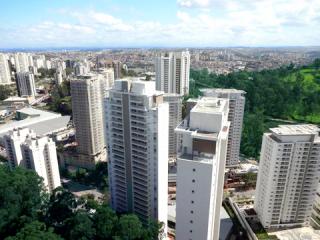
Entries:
{"x":159,"y":23}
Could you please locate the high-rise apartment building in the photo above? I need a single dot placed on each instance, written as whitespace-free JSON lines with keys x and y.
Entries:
{"x":117,"y":67}
{"x":108,"y":75}
{"x":87,"y":109}
{"x":59,"y":75}
{"x":137,"y":138}
{"x":5,"y":75}
{"x":172,"y":72}
{"x":175,"y":118}
{"x":25,"y":149}
{"x":21,"y":62}
{"x":25,"y":84}
{"x":236,"y":110}
{"x":200,"y":173}
{"x":288,"y":178}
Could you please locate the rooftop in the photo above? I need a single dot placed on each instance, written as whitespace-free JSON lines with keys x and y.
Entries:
{"x":209,"y":105}
{"x":222,"y":90}
{"x":42,"y":122}
{"x":300,"y":129}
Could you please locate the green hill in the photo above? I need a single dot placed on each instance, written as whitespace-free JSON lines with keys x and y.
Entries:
{"x":287,"y":93}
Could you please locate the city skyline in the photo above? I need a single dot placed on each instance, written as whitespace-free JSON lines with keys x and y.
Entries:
{"x":183,"y":23}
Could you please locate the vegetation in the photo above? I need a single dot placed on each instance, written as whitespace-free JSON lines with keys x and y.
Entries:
{"x":7,"y":91}
{"x":97,"y":177}
{"x":61,"y":99}
{"x":46,"y":73}
{"x":28,"y":212}
{"x":288,"y":93}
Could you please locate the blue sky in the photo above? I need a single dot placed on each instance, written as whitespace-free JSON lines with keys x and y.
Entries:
{"x":159,"y":23}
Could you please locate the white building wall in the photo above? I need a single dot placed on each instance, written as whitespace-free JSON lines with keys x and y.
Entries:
{"x":26,"y":150}
{"x":137,"y":138}
{"x":288,"y":178}
{"x":5,"y":76}
{"x":172,"y":72}
{"x":200,"y":173}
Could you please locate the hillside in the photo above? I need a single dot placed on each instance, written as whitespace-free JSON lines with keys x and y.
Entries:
{"x":287,"y":94}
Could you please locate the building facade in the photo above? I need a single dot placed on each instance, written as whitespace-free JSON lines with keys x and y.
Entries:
{"x":25,"y":149}
{"x":175,"y":118}
{"x":25,"y":84}
{"x":236,"y":111}
{"x":172,"y":72}
{"x":200,"y":173}
{"x":288,"y":178}
{"x":315,"y":216}
{"x":5,"y":75}
{"x":137,"y":137}
{"x":87,"y":110}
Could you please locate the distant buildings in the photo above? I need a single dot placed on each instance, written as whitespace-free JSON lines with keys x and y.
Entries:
{"x":108,"y":75}
{"x":81,"y":69}
{"x":25,"y":149}
{"x":21,"y":62}
{"x":236,"y":110}
{"x":5,"y":75}
{"x":117,"y":67}
{"x":59,"y":75}
{"x":288,"y":177}
{"x":87,"y":109}
{"x":137,"y":136}
{"x":175,"y":118}
{"x":25,"y":84}
{"x":172,"y":72}
{"x":200,"y":173}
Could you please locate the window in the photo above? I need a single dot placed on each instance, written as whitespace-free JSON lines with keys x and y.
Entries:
{"x":192,"y":201}
{"x":191,"y":211}
{"x":191,"y":221}
{"x":193,"y":180}
{"x":192,"y":191}
{"x":194,"y":169}
{"x":190,"y":231}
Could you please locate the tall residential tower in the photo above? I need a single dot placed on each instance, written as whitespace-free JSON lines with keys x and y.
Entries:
{"x":25,"y":149}
{"x":87,"y":108}
{"x":25,"y":84}
{"x":172,"y":72}
{"x":137,"y":136}
{"x":288,"y":178}
{"x":200,"y":173}
{"x":236,"y":110}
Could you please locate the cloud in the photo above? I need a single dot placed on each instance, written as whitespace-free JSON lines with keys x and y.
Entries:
{"x":194,"y":3}
{"x":197,"y":23}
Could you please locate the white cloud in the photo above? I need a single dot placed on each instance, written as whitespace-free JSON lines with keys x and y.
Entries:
{"x":210,"y":23}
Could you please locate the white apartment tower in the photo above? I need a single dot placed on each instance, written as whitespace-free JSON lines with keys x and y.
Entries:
{"x":200,"y":173}
{"x":175,"y":118}
{"x":87,"y":109}
{"x":236,"y":110}
{"x":5,"y":76}
{"x":27,"y":150}
{"x":172,"y":72}
{"x":137,"y":137}
{"x":22,"y":62}
{"x":25,"y":84}
{"x":288,"y":178}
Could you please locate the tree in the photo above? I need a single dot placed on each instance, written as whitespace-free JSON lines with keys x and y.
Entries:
{"x":5,"y":92}
{"x":21,"y":198}
{"x":130,"y":227}
{"x":105,"y":222}
{"x":61,"y":207}
{"x":80,"y":227}
{"x":35,"y":231}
